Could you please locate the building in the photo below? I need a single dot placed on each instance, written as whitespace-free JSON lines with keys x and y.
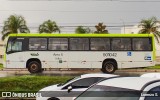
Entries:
{"x":2,"y":50}
{"x":130,"y":30}
{"x":134,"y":30}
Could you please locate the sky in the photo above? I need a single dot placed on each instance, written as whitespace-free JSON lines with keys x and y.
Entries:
{"x":71,"y":13}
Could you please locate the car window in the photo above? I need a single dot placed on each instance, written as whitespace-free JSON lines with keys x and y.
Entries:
{"x":84,"y":83}
{"x":69,"y":80}
{"x":99,"y":92}
{"x":154,"y":94}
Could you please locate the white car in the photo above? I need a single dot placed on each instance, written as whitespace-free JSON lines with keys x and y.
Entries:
{"x":71,"y":88}
{"x":123,"y":88}
{"x":151,"y":75}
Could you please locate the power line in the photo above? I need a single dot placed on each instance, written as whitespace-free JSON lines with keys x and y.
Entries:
{"x":65,"y":0}
{"x":90,"y":26}
{"x":140,"y":1}
{"x":83,"y":11}
{"x":89,"y":23}
{"x":95,"y":0}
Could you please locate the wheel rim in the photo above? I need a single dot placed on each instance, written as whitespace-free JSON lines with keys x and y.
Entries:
{"x":109,"y":67}
{"x":34,"y":67}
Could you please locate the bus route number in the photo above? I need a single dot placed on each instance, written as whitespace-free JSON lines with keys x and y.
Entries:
{"x":109,"y":54}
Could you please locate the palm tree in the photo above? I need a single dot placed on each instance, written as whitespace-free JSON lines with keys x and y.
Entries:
{"x":100,"y":28}
{"x":49,"y":27}
{"x":150,"y":26}
{"x":82,"y":30}
{"x":14,"y":24}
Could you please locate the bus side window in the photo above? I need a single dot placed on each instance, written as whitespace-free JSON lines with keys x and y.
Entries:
{"x":100,"y":44}
{"x":37,"y":43}
{"x":58,"y":44}
{"x":121,"y":44}
{"x":79,"y":44}
{"x":142,"y":44}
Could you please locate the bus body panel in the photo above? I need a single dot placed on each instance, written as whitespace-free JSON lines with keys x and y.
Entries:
{"x":81,"y":59}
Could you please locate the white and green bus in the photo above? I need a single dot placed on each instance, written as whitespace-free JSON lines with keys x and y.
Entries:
{"x":108,"y":52}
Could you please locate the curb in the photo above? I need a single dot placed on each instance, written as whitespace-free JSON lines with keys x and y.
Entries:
{"x":139,"y":70}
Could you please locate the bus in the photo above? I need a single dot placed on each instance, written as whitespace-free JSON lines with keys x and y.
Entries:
{"x":107,"y":52}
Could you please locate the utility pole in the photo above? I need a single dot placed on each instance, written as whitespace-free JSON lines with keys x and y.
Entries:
{"x":124,"y":30}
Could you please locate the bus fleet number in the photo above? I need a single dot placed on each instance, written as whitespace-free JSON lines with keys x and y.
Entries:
{"x":109,"y":54}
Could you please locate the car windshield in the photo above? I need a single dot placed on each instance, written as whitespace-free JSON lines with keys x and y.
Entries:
{"x":61,"y":84}
{"x":99,"y":92}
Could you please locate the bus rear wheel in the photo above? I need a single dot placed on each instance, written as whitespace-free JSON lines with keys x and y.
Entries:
{"x":109,"y":67}
{"x":34,"y":67}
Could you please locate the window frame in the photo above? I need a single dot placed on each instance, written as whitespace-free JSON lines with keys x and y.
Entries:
{"x":151,"y":40}
{"x":79,"y":37}
{"x":121,"y":37}
{"x":25,"y":43}
{"x":100,"y":38}
{"x":38,"y":50}
{"x":57,"y":50}
{"x":95,"y":79}
{"x":16,"y":39}
{"x":11,"y":49}
{"x":151,"y":92}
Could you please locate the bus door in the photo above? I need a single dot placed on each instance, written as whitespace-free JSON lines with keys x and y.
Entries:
{"x":14,"y":55}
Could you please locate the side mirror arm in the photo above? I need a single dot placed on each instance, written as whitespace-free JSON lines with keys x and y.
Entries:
{"x":70,"y":89}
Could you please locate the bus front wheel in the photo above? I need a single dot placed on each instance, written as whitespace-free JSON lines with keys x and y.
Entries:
{"x":109,"y":67}
{"x":34,"y":67}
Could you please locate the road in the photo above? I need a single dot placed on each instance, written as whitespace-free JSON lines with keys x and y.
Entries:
{"x":124,"y":72}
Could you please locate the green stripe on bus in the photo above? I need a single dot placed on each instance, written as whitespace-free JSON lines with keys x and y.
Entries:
{"x":154,"y":49}
{"x":80,"y":35}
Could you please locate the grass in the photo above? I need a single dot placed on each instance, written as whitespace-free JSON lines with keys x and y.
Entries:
{"x":1,"y":66}
{"x":153,"y":67}
{"x":30,"y":82}
{"x":34,"y":82}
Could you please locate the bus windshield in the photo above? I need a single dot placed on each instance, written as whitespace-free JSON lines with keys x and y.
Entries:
{"x":14,"y":46}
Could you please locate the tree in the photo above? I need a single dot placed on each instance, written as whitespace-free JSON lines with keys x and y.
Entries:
{"x":150,"y":26}
{"x":82,"y":30}
{"x":49,"y":27}
{"x":14,"y":24}
{"x":100,"y":28}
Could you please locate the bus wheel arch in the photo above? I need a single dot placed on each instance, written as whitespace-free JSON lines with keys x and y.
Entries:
{"x":34,"y":65}
{"x":109,"y":66}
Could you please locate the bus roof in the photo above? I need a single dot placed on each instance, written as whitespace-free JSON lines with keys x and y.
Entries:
{"x":79,"y":35}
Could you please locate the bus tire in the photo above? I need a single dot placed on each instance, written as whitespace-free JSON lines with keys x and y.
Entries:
{"x":34,"y":67}
{"x":109,"y":67}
